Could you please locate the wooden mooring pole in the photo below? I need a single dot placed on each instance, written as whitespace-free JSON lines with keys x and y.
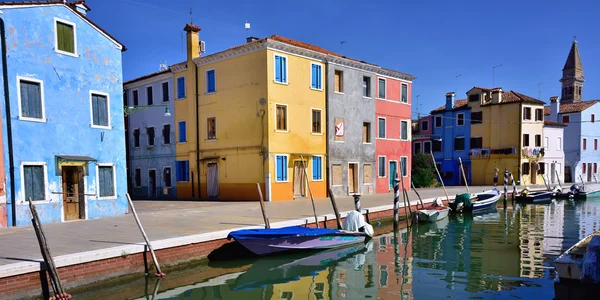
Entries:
{"x":416,"y":192}
{"x":310,"y":192}
{"x":558,"y":179}
{"x":262,"y":207}
{"x":158,"y":273}
{"x":440,"y":176}
{"x":335,"y":209}
{"x":464,"y":175}
{"x":396,"y":201}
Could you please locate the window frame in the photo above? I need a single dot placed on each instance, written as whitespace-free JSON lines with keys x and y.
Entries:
{"x":584,"y":145}
{"x":135,"y":185}
{"x":208,"y":138}
{"x":149,"y":95}
{"x":135,"y":97}
{"x":539,"y":111}
{"x":114,"y":175}
{"x":525,"y":109}
{"x":287,"y":128}
{"x":476,"y":121}
{"x":384,"y":166}
{"x":595,"y":144}
{"x":458,"y":119}
{"x":369,"y":138}
{"x":430,"y":146}
{"x":162,"y":91}
{"x":593,"y":118}
{"x":559,"y":144}
{"x":178,"y":90}
{"x":406,"y":166}
{"x":424,"y":122}
{"x":312,"y":169}
{"x":286,"y":81}
{"x":148,"y":136}
{"x":464,"y":147}
{"x":384,"y":88}
{"x":528,"y":140}
{"x":407,"y":130}
{"x":287,"y":160}
{"x":368,"y":87}
{"x":44,"y":165}
{"x":179,"y":132}
{"x":75,"y":52}
{"x":320,"y":82}
{"x":567,"y":118}
{"x":341,"y":85}
{"x":206,"y":81}
{"x":163,"y":136}
{"x":402,"y":85}
{"x":535,"y":140}
{"x":92,"y":93}
{"x":435,"y":118}
{"x":42,"y":99}
{"x":312,"y":110}
{"x":187,"y":176}
{"x":384,"y":128}
{"x":138,"y":129}
{"x":170,"y":176}
{"x":415,"y":144}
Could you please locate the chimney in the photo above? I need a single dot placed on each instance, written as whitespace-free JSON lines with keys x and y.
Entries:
{"x":496,"y":95}
{"x":193,"y":41}
{"x":251,"y":39}
{"x":449,"y":100}
{"x":554,"y":108}
{"x":80,"y":6}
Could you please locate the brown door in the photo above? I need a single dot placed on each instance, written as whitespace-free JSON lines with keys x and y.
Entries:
{"x":152,"y":183}
{"x":352,"y":178}
{"x":72,"y":184}
{"x":299,"y":180}
{"x":533,"y":173}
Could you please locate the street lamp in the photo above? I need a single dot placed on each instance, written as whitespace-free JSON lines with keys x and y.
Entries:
{"x":129,"y":110}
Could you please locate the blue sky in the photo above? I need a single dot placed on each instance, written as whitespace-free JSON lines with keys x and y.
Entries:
{"x":431,"y":39}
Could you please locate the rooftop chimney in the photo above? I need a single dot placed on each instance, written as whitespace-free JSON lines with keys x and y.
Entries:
{"x":251,"y":39}
{"x":449,"y":100}
{"x":496,"y":95}
{"x":192,"y":40}
{"x":80,"y":6}
{"x":554,"y":108}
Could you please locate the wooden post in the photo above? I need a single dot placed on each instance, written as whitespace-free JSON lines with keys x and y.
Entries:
{"x":440,"y":176}
{"x":558,"y":178}
{"x":505,"y":183}
{"x":514,"y":193}
{"x":464,"y":176}
{"x":158,"y":273}
{"x":335,"y":209}
{"x":262,"y":207}
{"x":415,"y":189}
{"x":582,"y":183}
{"x":310,"y":192}
{"x":396,"y":201}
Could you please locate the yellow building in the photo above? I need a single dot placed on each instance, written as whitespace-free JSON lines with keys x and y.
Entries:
{"x":506,"y":133}
{"x":311,"y":287}
{"x":260,"y":118}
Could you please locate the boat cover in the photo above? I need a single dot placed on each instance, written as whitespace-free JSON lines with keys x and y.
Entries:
{"x":591,"y":261}
{"x":284,"y":232}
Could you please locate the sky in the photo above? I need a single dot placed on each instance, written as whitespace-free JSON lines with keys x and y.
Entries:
{"x":433,"y":40}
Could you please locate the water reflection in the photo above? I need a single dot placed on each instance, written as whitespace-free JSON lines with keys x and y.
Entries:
{"x":501,"y":253}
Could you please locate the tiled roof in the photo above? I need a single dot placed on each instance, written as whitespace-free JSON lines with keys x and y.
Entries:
{"x":514,"y":97}
{"x":147,"y":76}
{"x":555,"y":124}
{"x":569,"y":108}
{"x":71,"y":6}
{"x":458,"y":104}
{"x":191,"y":27}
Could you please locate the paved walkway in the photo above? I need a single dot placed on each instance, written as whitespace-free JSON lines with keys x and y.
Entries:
{"x":168,"y":222}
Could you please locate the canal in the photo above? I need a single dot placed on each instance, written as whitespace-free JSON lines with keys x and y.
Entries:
{"x":497,"y":254}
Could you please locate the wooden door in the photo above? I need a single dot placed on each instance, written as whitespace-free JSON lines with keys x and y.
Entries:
{"x":393,"y":173}
{"x":352,"y":178}
{"x":152,"y":183}
{"x":71,"y":192}
{"x":533,"y":173}
{"x":212,"y":180}
{"x":299,"y":180}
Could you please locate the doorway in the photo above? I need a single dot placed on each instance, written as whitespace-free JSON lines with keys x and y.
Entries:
{"x":73,"y":193}
{"x":553,"y":172}
{"x":393,"y":173}
{"x":152,"y":183}
{"x":212,"y":180}
{"x":589,"y":172}
{"x":299,"y":180}
{"x":533,"y":173}
{"x":353,"y":178}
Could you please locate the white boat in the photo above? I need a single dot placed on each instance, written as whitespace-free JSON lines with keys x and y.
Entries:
{"x":569,"y":265}
{"x":433,"y":213}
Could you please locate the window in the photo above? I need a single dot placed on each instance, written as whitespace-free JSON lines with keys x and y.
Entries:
{"x":317,"y":168}
{"x":135,"y":98}
{"x":125,"y":98}
{"x":404,"y":93}
{"x":150,"y":134}
{"x":149,"y":95}
{"x":339,"y":129}
{"x":182,"y":168}
{"x":211,"y":128}
{"x":427,"y":147}
{"x":136,"y":137}
{"x":34,"y":182}
{"x":381,"y":88}
{"x":477,"y":117}
{"x":210,"y":82}
{"x":381,"y":128}
{"x":593,"y":118}
{"x":336,"y":175}
{"x":583,"y":167}
{"x":165,"y":91}
{"x":286,"y":295}
{"x":438,"y":121}
{"x":404,"y":166}
{"x":180,"y":87}
{"x":138,"y":177}
{"x":65,"y":38}
{"x":167,"y":177}
{"x":539,"y":114}
{"x":476,"y":142}
{"x":106,"y":181}
{"x":281,"y":117}
{"x":526,"y":140}
{"x":316,"y":121}
{"x":525,"y":168}
{"x":459,"y":143}
{"x":538,"y":140}
{"x":100,"y":115}
{"x":381,"y":166}
{"x":542,"y":168}
{"x":338,"y":81}
{"x":565,"y":119}
{"x":182,"y":132}
{"x":584,"y":144}
{"x":460,"y":119}
{"x":367,"y":174}
{"x":366,"y":137}
{"x":473,"y":98}
{"x":595,"y":144}
{"x":526,"y":113}
{"x":366,"y":86}
{"x":417,"y":148}
{"x":316,"y":76}
{"x":281,"y":168}
{"x":280,"y":69}
{"x":546,"y":142}
{"x":404,"y":130}
{"x":595,"y":167}
{"x":31,"y":100}
{"x":424,"y":125}
{"x":437,"y":145}
{"x":558,"y":143}
{"x":166,"y":133}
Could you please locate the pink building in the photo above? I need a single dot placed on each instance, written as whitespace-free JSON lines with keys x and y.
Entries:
{"x":393,"y":137}
{"x":421,"y":135}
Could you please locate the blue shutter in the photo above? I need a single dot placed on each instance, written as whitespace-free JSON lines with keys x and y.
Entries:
{"x":317,"y":168}
{"x":31,"y":100}
{"x":178,"y":170}
{"x":284,"y":70}
{"x":319,"y":79}
{"x":182,"y":132}
{"x":313,"y":76}
{"x":181,"y":87}
{"x":99,"y":110}
{"x":279,"y":171}
{"x":278,"y":68}
{"x":186,"y":170}
{"x":210,"y":81}
{"x":105,"y":178}
{"x":284,"y":167}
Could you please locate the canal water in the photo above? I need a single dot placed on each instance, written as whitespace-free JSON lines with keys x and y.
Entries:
{"x":497,"y":254}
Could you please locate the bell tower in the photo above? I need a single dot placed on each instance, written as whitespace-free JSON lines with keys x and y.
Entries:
{"x":572,"y":79}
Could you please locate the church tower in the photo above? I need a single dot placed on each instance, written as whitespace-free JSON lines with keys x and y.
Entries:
{"x":572,"y":79}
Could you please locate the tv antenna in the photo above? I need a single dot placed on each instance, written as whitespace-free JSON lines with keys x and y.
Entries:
{"x":456,"y":88}
{"x":247,"y":26}
{"x":342,"y":44}
{"x":494,"y":75}
{"x":539,"y":91}
{"x":191,"y":22}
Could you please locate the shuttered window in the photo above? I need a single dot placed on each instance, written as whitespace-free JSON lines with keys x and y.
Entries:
{"x":183,"y":170}
{"x":280,"y":69}
{"x":99,"y":110}
{"x":381,"y":128}
{"x":65,"y":37}
{"x":165,"y":91}
{"x":404,"y":166}
{"x":167,"y":177}
{"x":281,"y":117}
{"x":316,"y":77}
{"x":180,"y":87}
{"x":182,"y":132}
{"x":404,"y":93}
{"x":404,"y":130}
{"x":381,"y":166}
{"x":317,"y":168}
{"x":381,"y":88}
{"x":33,"y":179}
{"x":106,"y":181}
{"x":281,"y":165}
{"x":316,"y":121}
{"x":149,"y":95}
{"x":166,"y":133}
{"x":31,"y":99}
{"x":150,"y":134}
{"x":210,"y":81}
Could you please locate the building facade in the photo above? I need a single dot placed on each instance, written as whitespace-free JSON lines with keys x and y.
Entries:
{"x":421,"y":135}
{"x":554,"y":155}
{"x":63,"y":116}
{"x":151,"y":136}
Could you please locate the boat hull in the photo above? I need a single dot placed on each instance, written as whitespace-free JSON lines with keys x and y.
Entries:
{"x":569,"y":265}
{"x":485,"y":200}
{"x":534,"y":197}
{"x":433,"y":215}
{"x":277,"y":245}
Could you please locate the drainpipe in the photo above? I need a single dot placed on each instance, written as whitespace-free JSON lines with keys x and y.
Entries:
{"x":520,"y":143}
{"x":11,"y":161}
{"x":197,"y":130}
{"x":327,"y":180}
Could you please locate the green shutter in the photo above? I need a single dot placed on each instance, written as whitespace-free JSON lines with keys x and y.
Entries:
{"x":65,"y":37}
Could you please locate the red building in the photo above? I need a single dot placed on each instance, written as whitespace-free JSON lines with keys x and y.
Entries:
{"x":393,"y":135}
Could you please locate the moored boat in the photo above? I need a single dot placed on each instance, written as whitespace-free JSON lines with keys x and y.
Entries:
{"x":534,"y":196}
{"x":433,"y":212}
{"x":577,"y":192}
{"x":570,"y":264}
{"x":480,"y":201}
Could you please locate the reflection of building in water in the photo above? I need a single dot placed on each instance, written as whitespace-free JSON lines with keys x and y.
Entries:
{"x":314,"y":287}
{"x":554,"y":222}
{"x":589,"y":220}
{"x":394,"y":265}
{"x":356,"y":277}
{"x":532,"y":238}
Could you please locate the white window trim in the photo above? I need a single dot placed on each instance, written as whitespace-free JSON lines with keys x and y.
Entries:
{"x":463,"y":118}
{"x":385,"y":128}
{"x":133,"y":134}
{"x":464,"y":140}
{"x":441,"y":121}
{"x":177,"y":87}
{"x":206,"y":81}
{"x":559,"y":147}
{"x":179,"y":133}
{"x":385,"y":171}
{"x":156,"y":179}
{"x":407,"y":130}
{"x":41,"y":82}
{"x":98,"y":165}
{"x":287,"y":81}
{"x":133,"y":98}
{"x":525,"y":116}
{"x":46,"y":194}
{"x":92,"y":92}
{"x":216,"y":137}
{"x":357,"y":176}
{"x":384,"y":91}
{"x":370,"y":88}
{"x":134,"y":183}
{"x":147,"y":94}
{"x":341,"y":82}
{"x":288,"y":173}
{"x":401,"y":84}
{"x":367,"y":164}
{"x":75,"y":54}
{"x":400,"y":166}
{"x":368,"y":134}
{"x":170,"y":175}
{"x":546,"y":142}
{"x":312,"y":171}
{"x":415,"y":147}
{"x":425,"y":122}
{"x":321,"y":70}
{"x":162,"y":91}
{"x":310,"y":118}
{"x":430,"y":146}
{"x":287,"y":119}
{"x":163,"y":137}
{"x":147,"y":137}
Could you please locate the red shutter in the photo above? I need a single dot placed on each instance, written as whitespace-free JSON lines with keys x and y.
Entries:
{"x":584,"y":144}
{"x":583,"y":167}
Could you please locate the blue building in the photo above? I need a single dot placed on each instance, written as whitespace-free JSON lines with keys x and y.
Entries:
{"x":451,"y":139}
{"x":62,"y":120}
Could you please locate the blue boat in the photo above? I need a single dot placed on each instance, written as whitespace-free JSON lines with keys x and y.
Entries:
{"x":534,"y":196}
{"x":480,"y":201}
